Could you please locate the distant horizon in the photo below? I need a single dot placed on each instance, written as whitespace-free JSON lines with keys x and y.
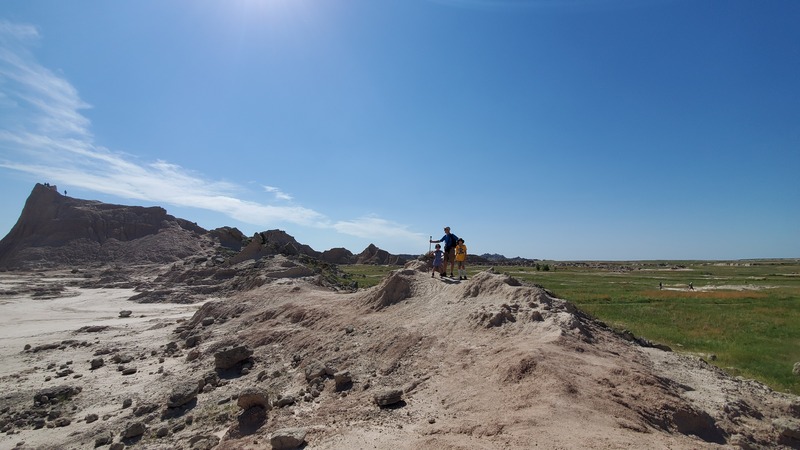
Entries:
{"x":356,"y":252}
{"x":575,"y":131}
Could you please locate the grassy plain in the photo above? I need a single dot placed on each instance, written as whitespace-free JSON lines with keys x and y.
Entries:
{"x":746,"y":313}
{"x":365,"y":274}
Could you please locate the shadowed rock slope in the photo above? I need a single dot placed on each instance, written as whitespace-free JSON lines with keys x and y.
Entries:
{"x":56,"y":230}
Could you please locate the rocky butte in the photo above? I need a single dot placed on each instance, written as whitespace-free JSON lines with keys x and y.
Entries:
{"x":54,"y":230}
{"x":277,"y":352}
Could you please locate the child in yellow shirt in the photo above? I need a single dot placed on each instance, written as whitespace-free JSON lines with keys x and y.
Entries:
{"x":461,"y":259}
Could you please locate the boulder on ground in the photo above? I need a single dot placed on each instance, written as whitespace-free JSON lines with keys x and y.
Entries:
{"x":315,"y":370}
{"x":288,"y":438}
{"x":183,"y":394}
{"x":230,"y":357}
{"x":388,"y":397}
{"x":343,"y":380}
{"x":62,"y":392}
{"x":133,"y":430}
{"x":285,"y":400}
{"x":253,"y":396}
{"x":103,"y":438}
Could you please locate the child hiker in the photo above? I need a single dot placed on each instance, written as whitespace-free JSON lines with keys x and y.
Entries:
{"x":461,"y":259}
{"x":438,"y":261}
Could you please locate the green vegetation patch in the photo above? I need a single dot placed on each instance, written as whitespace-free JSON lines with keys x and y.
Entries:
{"x":367,"y":275}
{"x":746,"y":313}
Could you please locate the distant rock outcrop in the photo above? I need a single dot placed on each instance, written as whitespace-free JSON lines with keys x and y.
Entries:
{"x":338,"y":256}
{"x":374,"y":255}
{"x":500,"y":260}
{"x":273,"y":242}
{"x":229,"y":237}
{"x":55,"y":230}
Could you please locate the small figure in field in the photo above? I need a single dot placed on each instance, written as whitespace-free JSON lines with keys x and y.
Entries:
{"x":660,"y":286}
{"x":438,"y":262}
{"x":450,"y":241}
{"x":691,"y":286}
{"x":461,"y":259}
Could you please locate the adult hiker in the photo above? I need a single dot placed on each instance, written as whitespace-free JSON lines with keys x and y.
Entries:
{"x":450,"y":241}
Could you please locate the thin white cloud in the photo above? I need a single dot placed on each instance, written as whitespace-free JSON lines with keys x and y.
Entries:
{"x":44,"y":134}
{"x":372,"y":227}
{"x":41,"y":99}
{"x":167,"y":183}
{"x":279,"y":194}
{"x":50,"y":139}
{"x":17,"y":31}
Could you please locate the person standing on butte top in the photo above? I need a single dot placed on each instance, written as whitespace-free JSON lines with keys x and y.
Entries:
{"x":461,"y":259}
{"x":450,"y":240}
{"x":437,"y":261}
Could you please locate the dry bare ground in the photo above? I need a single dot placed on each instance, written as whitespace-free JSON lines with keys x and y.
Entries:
{"x":483,"y":363}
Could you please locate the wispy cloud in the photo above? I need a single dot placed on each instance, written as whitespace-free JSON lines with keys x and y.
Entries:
{"x":279,"y":194}
{"x":372,"y":227}
{"x":17,"y":31}
{"x":43,"y":100}
{"x":44,"y":134}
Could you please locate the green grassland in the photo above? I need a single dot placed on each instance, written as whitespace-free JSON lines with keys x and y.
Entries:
{"x":746,"y":313}
{"x":366,"y":275}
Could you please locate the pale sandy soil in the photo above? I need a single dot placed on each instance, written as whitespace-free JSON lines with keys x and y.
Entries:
{"x":35,"y":321}
{"x":544,"y":377}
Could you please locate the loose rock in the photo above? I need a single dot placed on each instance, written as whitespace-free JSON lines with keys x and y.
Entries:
{"x":343,"y":380}
{"x":52,"y":394}
{"x":285,"y":401}
{"x":104,"y":438}
{"x":133,"y":430}
{"x":288,"y":438}
{"x":251,"y":397}
{"x":388,"y":397}
{"x":230,"y":357}
{"x":182,"y":394}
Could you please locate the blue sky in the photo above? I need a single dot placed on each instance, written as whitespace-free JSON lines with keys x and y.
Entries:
{"x":573,"y":129}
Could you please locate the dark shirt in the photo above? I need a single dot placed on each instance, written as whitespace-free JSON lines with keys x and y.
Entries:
{"x":450,"y":241}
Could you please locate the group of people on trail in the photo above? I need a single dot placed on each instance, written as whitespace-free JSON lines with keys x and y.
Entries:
{"x":454,"y":252}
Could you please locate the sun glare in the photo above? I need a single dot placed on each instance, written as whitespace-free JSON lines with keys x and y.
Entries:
{"x":283,"y":14}
{"x":269,"y":8}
